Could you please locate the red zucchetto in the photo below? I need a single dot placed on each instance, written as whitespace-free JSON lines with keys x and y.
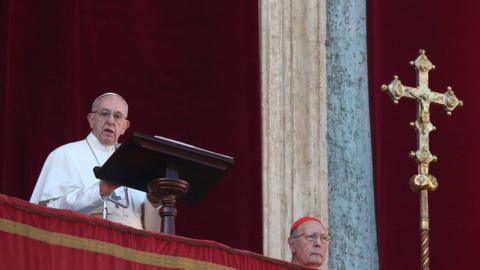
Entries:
{"x":302,"y":220}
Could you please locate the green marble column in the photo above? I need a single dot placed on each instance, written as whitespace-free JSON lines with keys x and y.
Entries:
{"x":350,"y":181}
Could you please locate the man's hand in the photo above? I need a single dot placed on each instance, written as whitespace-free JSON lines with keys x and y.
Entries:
{"x":107,"y":187}
{"x":154,"y":200}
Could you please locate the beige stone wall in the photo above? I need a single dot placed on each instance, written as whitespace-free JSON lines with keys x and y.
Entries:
{"x":293,"y":65}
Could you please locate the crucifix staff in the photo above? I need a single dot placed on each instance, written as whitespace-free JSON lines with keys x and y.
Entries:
{"x":423,"y":181}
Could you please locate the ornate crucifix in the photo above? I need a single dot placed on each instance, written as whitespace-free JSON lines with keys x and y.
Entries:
{"x":423,"y":181}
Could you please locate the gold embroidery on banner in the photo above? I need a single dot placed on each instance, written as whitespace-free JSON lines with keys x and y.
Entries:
{"x":102,"y":247}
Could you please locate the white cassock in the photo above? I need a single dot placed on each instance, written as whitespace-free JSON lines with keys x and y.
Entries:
{"x":67,"y":181}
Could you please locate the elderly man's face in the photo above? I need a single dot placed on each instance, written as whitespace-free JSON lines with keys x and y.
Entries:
{"x":309,"y":244}
{"x":108,"y":119}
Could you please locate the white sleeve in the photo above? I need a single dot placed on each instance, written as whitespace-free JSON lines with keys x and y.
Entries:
{"x":83,"y":200}
{"x":60,"y":183}
{"x":151,"y":218}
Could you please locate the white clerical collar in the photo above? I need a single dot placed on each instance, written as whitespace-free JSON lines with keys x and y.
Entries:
{"x":95,"y":143}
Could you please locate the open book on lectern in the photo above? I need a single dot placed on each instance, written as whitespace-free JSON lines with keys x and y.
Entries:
{"x":143,"y":158}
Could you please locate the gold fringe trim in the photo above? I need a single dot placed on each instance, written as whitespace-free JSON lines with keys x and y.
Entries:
{"x":129,"y":254}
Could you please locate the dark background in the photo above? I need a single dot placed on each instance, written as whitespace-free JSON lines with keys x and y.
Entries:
{"x":188,"y":69}
{"x":449,"y":31}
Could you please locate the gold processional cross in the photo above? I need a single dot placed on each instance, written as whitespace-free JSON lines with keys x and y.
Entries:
{"x":423,"y":181}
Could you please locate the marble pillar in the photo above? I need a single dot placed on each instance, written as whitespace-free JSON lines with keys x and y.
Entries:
{"x":350,"y":180}
{"x":316,"y":131}
{"x":294,"y":117}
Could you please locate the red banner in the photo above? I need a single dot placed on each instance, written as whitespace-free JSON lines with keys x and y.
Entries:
{"x":36,"y":237}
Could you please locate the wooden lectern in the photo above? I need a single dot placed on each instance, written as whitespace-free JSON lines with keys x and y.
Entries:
{"x":165,"y":168}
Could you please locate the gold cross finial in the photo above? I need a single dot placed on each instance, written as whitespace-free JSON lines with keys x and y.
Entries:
{"x":423,"y":181}
{"x":424,"y":97}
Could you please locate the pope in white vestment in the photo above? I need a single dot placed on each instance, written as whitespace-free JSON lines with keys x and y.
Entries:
{"x":67,"y":180}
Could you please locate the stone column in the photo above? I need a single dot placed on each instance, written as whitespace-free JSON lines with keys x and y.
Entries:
{"x":293,"y":64}
{"x":351,"y":204}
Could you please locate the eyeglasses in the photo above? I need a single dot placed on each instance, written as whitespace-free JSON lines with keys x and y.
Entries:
{"x":105,"y":114}
{"x":324,"y":238}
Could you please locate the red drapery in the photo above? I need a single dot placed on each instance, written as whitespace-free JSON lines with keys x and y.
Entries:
{"x":188,"y":69}
{"x":449,"y":32}
{"x":36,"y":237}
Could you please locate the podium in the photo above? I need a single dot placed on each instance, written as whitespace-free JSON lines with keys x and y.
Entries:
{"x":166,"y":168}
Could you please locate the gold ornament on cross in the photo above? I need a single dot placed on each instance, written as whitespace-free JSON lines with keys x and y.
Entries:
{"x":423,"y":181}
